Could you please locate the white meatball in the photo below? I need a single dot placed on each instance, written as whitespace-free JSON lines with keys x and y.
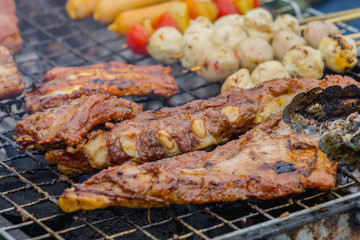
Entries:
{"x":283,"y":41}
{"x":239,"y":79}
{"x":258,"y":23}
{"x":200,"y":25}
{"x":193,"y":46}
{"x":253,"y":50}
{"x":267,"y":71}
{"x":231,"y":19}
{"x":339,"y":52}
{"x":164,"y":44}
{"x":218,"y":63}
{"x":260,"y":15}
{"x":317,"y":30}
{"x":228,"y":34}
{"x":287,"y":22}
{"x":304,"y":61}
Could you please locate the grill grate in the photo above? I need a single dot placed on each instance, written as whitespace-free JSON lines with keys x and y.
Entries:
{"x":29,"y":186}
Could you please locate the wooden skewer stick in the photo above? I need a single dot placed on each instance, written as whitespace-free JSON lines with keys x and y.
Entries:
{"x":193,"y":69}
{"x":353,"y":35}
{"x":178,"y":56}
{"x":329,"y":15}
{"x":339,"y":19}
{"x":344,"y":18}
{"x":196,"y":68}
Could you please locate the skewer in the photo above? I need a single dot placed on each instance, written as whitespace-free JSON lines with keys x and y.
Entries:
{"x":178,"y":56}
{"x":353,"y":35}
{"x":339,"y":19}
{"x":329,"y":15}
{"x":193,"y":69}
{"x":198,"y":68}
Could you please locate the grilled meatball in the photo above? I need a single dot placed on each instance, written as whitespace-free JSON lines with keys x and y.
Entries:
{"x":339,"y":52}
{"x":218,"y":63}
{"x":258,"y":23}
{"x":304,"y":61}
{"x":317,"y":30}
{"x":284,"y":41}
{"x":254,"y":50}
{"x":288,"y":23}
{"x":239,"y":79}
{"x":164,"y":44}
{"x":267,"y":71}
{"x":230,"y":19}
{"x":200,"y":25}
{"x":193,"y":46}
{"x":228,"y":31}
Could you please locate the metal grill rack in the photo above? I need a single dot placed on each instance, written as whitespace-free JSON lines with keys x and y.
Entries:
{"x":29,"y":186}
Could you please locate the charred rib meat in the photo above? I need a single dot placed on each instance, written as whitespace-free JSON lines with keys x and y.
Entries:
{"x":11,"y":81}
{"x":269,"y":161}
{"x":9,"y":34}
{"x":115,"y":78}
{"x":171,"y":131}
{"x":69,"y":123}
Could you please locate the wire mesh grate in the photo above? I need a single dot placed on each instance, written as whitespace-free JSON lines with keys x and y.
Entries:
{"x":29,"y":186}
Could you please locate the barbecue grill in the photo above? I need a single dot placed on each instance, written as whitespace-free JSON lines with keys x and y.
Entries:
{"x":29,"y":186}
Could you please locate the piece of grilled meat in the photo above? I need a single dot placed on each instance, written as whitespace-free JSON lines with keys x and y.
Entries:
{"x":69,"y":123}
{"x":196,"y":125}
{"x":269,"y":161}
{"x":9,"y":34}
{"x":115,"y":78}
{"x":11,"y":81}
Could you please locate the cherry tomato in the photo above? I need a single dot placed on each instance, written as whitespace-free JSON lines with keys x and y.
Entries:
{"x":226,"y":7}
{"x":165,"y":20}
{"x":136,"y":39}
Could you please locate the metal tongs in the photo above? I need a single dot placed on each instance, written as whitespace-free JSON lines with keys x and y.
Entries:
{"x":332,"y":112}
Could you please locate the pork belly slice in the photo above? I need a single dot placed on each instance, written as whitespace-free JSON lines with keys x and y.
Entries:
{"x":9,"y":34}
{"x":269,"y":161}
{"x":69,"y":123}
{"x":115,"y":78}
{"x":196,"y":125}
{"x":11,"y":81}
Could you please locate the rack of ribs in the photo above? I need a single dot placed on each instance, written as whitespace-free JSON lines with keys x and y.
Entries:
{"x":115,"y":78}
{"x":151,"y":135}
{"x":9,"y":34}
{"x":11,"y":81}
{"x":69,"y":123}
{"x":269,"y":161}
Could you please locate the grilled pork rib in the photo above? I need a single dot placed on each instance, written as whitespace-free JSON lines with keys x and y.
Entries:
{"x":196,"y":125}
{"x":9,"y":34}
{"x":267,"y":162}
{"x":115,"y":78}
{"x":11,"y":81}
{"x":69,"y":123}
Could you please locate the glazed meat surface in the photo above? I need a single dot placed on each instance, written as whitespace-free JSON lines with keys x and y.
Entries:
{"x":267,"y":162}
{"x":11,"y":81}
{"x":9,"y":34}
{"x":69,"y":123}
{"x":199,"y":124}
{"x":115,"y":78}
